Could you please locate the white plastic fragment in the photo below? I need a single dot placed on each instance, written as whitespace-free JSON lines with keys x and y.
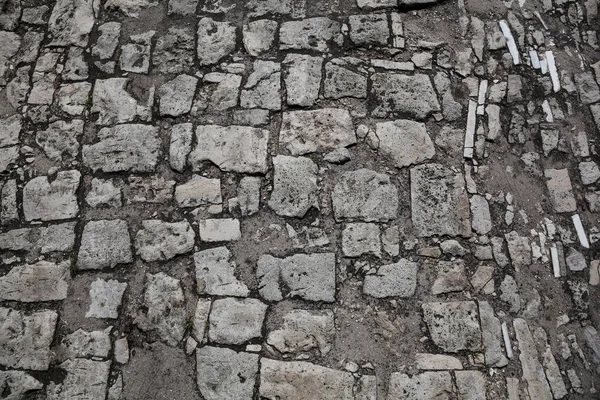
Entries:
{"x":535,"y":60}
{"x":547,"y":111}
{"x":507,"y":345}
{"x":470,"y":131}
{"x":583,"y":240}
{"x":553,"y":71}
{"x":555,"y":263}
{"x":510,"y":41}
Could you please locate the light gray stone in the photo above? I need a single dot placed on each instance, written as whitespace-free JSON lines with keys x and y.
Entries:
{"x":175,"y":51}
{"x":588,"y":89}
{"x":10,"y":129}
{"x":114,"y":104}
{"x":338,"y":156}
{"x":8,"y":157}
{"x":436,"y":362}
{"x":216,"y":273}
{"x":216,"y":40}
{"x":9,"y":211}
{"x":72,"y":98}
{"x":369,"y":29}
{"x":176,"y":96}
{"x":42,"y":281}
{"x":236,"y":321}
{"x":166,"y":313}
{"x":307,"y":276}
{"x":439,"y":202}
{"x":84,"y":344}
{"x":589,"y":172}
{"x":219,"y":230}
{"x":561,"y":191}
{"x":103,"y":192}
{"x":26,"y":338}
{"x":295,"y":188}
{"x":533,"y":373}
{"x":180,"y":145}
{"x":259,"y":36}
{"x":72,"y":21}
{"x":491,"y":336}
{"x":453,"y":326}
{"x":361,"y":238}
{"x":161,"y":240}
{"x":60,"y":140}
{"x":302,"y":77}
{"x":233,"y":148}
{"x":426,"y":385}
{"x":224,"y":374}
{"x":305,"y":132}
{"x":345,"y":77}
{"x":310,"y":34}
{"x":412,"y":95}
{"x":470,"y":385}
{"x":365,"y":195}
{"x":76,"y":68}
{"x":509,"y":292}
{"x":392,"y":280}
{"x":104,"y":244}
{"x":128,"y":147}
{"x":47,"y":201}
{"x":481,"y":218}
{"x":121,"y":352}
{"x":108,"y":40}
{"x":405,"y":142}
{"x":86,"y":379}
{"x":16,"y":385}
{"x":575,"y":260}
{"x":131,"y":8}
{"x":201,"y":319}
{"x":518,"y":249}
{"x":263,"y":87}
{"x":220,"y":92}
{"x":198,"y":191}
{"x":105,"y":298}
{"x":135,"y":56}
{"x":451,"y":277}
{"x":248,"y":195}
{"x":304,"y":330}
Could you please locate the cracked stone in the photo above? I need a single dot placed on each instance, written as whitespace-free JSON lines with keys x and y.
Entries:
{"x":439,"y":201}
{"x":218,"y":93}
{"x":161,"y":240}
{"x":453,"y":326}
{"x":404,"y":94}
{"x":236,"y":321}
{"x":47,"y":201}
{"x":304,"y":330}
{"x":84,"y":344}
{"x":60,"y":140}
{"x":305,"y":132}
{"x":86,"y":379}
{"x":107,"y":41}
{"x":176,"y":96}
{"x":365,"y":195}
{"x":392,"y":280}
{"x":114,"y":105}
{"x":174,"y":52}
{"x":234,"y":148}
{"x":104,"y":244}
{"x":263,"y":87}
{"x":180,"y":145}
{"x":135,"y":56}
{"x":26,"y":338}
{"x":259,"y":36}
{"x":198,"y":191}
{"x":216,"y":40}
{"x":302,"y":76}
{"x":361,"y":238}
{"x":451,"y":277}
{"x":72,"y":21}
{"x":309,"y":34}
{"x":216,"y":273}
{"x":294,"y":186}
{"x":106,"y":297}
{"x":308,"y":276}
{"x":405,"y":142}
{"x":166,"y":311}
{"x":42,"y":281}
{"x":345,"y":77}
{"x":128,"y":147}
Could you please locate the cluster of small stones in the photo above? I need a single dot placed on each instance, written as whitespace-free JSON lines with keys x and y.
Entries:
{"x":203,"y":192}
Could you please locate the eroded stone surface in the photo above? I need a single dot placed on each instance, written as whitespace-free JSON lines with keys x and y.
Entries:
{"x":160,"y":240}
{"x":236,"y":321}
{"x":294,"y":186}
{"x":453,"y":326}
{"x":104,"y":244}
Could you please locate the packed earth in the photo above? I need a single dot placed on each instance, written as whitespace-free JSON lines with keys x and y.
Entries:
{"x":299,"y":199}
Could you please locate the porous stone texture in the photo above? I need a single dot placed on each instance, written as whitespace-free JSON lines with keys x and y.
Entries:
{"x":294,"y":186}
{"x":236,"y":321}
{"x":392,"y":280}
{"x":161,"y":240}
{"x":47,"y":200}
{"x":215,"y":273}
{"x":404,"y":94}
{"x":453,"y":326}
{"x":42,"y":281}
{"x":104,"y":244}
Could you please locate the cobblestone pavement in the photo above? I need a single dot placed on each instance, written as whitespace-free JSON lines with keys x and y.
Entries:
{"x":298,"y":199}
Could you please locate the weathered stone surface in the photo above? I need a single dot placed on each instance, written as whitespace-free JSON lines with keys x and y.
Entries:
{"x":263,"y":87}
{"x":104,"y":244}
{"x":361,"y":238}
{"x":86,"y":379}
{"x":405,"y":142}
{"x":308,"y":276}
{"x":451,"y":277}
{"x":589,"y":172}
{"x":219,"y":230}
{"x":201,"y":319}
{"x":345,"y":77}
{"x":105,"y":298}
{"x":215,"y":273}
{"x":131,"y":8}
{"x":480,"y":210}
{"x":365,"y":195}
{"x":216,"y":40}
{"x":135,"y":56}
{"x":42,"y":281}
{"x":588,"y":89}
{"x":114,"y":104}
{"x":224,"y":374}
{"x":439,"y":201}
{"x":182,"y":7}
{"x":10,"y":128}
{"x":309,"y":34}
{"x":221,"y":92}
{"x":509,"y":292}
{"x":426,"y":385}
{"x":575,"y":260}
{"x":180,"y":146}
{"x":8,"y":157}
{"x":176,"y":96}
{"x":491,"y":336}
{"x":198,"y":191}
{"x":88,"y":344}
{"x":470,"y":385}
{"x":161,"y":240}
{"x":533,"y":373}
{"x":236,"y":321}
{"x":47,"y":201}
{"x":232,"y":148}
{"x":26,"y":338}
{"x":259,"y":36}
{"x":72,"y":98}
{"x":107,"y":41}
{"x":561,"y":191}
{"x":165,"y":304}
{"x":294,"y":186}
{"x":518,"y":249}
{"x":16,"y":385}
{"x":128,"y":147}
{"x":369,"y":29}
{"x":453,"y":326}
{"x":72,"y":21}
{"x":103,"y":192}
{"x":305,"y":132}
{"x":412,"y":95}
{"x":436,"y":362}
{"x":174,"y":51}
{"x":304,"y":381}
{"x":392,"y":280}
{"x":302,"y":77}
{"x":304,"y":330}
{"x":9,"y":211}
{"x":248,"y":195}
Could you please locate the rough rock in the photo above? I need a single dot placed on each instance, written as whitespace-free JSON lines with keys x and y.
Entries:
{"x":72,"y":21}
{"x":491,"y":336}
{"x":236,"y":321}
{"x":453,"y":326}
{"x":439,"y":201}
{"x":304,"y":330}
{"x":103,"y":192}
{"x":174,"y":52}
{"x":451,"y":277}
{"x":84,"y":344}
{"x":219,"y":230}
{"x":42,"y":281}
{"x":86,"y":379}
{"x":114,"y":104}
{"x":589,"y":172}
{"x":575,"y":260}
{"x":176,"y":95}
{"x":305,"y":132}
{"x":161,"y":240}
{"x":509,"y":292}
{"x":234,"y":148}
{"x":263,"y":87}
{"x":404,"y":94}
{"x":107,"y":41}
{"x":216,"y":40}
{"x":135,"y":56}
{"x":436,"y":362}
{"x":10,"y":128}
{"x":588,"y":89}
{"x":16,"y":385}
{"x":518,"y":249}
{"x":106,"y":297}
{"x":369,"y":29}
{"x":51,"y":200}
{"x":480,"y":210}
{"x":308,"y":276}
{"x":345,"y":77}
{"x":361,"y":238}
{"x":392,"y":280}
{"x":259,"y":36}
{"x":405,"y":142}
{"x":295,"y":188}
{"x":561,"y":191}
{"x":426,"y":385}
{"x":309,"y":34}
{"x":248,"y":195}
{"x":216,"y":273}
{"x":180,"y":145}
{"x":533,"y":373}
{"x":302,"y":77}
{"x":104,"y":244}
{"x":198,"y":191}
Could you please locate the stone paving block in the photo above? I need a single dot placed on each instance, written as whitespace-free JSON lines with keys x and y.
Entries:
{"x":104,"y":244}
{"x":236,"y":321}
{"x":42,"y":281}
{"x":294,"y":186}
{"x":453,"y":326}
